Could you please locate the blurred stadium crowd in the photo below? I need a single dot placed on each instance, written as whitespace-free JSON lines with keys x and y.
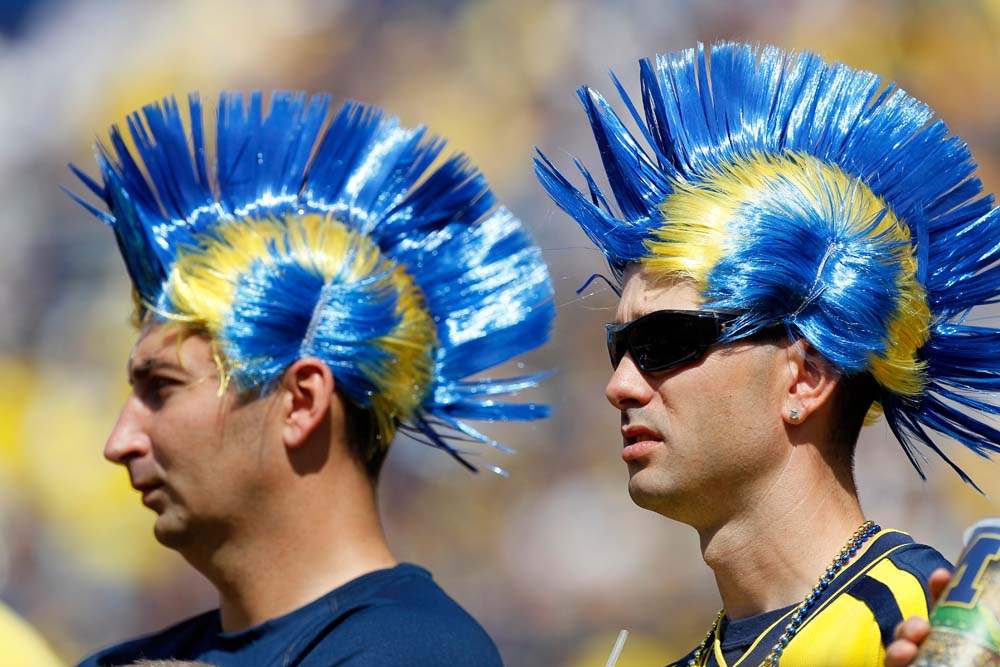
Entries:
{"x":555,"y":559}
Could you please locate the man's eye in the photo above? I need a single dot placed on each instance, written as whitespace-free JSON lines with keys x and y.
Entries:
{"x":158,"y":383}
{"x":156,"y":389}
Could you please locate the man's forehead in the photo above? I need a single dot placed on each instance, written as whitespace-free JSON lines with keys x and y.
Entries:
{"x":643,"y":294}
{"x":161,"y":344}
{"x":152,"y":340}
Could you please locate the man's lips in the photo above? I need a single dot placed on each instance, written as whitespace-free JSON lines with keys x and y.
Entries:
{"x":144,"y":486}
{"x":632,"y":434}
{"x":637,"y":441}
{"x":147,"y":488}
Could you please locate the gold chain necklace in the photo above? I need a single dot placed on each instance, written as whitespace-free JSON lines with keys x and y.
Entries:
{"x":860,"y":536}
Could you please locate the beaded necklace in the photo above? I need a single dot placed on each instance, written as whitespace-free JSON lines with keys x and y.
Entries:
{"x":861,"y":535}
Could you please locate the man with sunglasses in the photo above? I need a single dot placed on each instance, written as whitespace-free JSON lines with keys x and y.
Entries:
{"x":795,"y":254}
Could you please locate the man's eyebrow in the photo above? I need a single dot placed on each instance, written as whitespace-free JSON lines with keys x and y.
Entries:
{"x":144,"y":368}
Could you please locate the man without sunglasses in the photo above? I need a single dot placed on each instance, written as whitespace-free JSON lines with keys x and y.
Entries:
{"x":796,"y":252}
{"x":299,"y":300}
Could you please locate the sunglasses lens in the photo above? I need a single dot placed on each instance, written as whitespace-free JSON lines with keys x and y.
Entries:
{"x":617,"y":344}
{"x":664,"y":339}
{"x":669,"y":342}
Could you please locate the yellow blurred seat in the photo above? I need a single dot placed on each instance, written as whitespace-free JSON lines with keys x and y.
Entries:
{"x":21,"y":644}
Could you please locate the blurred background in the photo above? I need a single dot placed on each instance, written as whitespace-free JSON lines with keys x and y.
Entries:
{"x":556,"y":559}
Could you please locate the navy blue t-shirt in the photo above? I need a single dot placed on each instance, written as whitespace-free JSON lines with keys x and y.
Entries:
{"x":397,"y":616}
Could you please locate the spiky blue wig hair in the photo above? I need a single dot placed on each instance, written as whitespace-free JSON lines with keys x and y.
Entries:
{"x":330,"y":237}
{"x":791,"y":190}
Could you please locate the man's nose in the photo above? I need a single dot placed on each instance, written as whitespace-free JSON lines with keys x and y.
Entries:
{"x":628,"y":387}
{"x":128,"y":438}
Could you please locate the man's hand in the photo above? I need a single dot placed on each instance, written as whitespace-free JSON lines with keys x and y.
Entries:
{"x":911,"y":633}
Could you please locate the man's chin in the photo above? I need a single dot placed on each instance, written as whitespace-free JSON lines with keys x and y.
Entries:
{"x":171,"y":531}
{"x":651,"y":490}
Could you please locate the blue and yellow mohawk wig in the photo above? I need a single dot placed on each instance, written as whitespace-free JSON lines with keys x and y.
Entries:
{"x":794,"y":191}
{"x":332,"y":238}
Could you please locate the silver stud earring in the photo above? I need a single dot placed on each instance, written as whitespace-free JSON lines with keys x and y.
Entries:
{"x":794,"y":415}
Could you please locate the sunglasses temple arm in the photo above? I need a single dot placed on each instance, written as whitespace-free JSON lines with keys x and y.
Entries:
{"x":603,"y":277}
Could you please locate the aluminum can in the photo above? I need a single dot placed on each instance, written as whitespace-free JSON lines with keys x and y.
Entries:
{"x":965,"y":622}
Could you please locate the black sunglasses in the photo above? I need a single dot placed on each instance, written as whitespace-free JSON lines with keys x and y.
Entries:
{"x":666,"y":339}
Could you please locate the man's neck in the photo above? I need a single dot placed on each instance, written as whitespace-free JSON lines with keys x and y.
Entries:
{"x":773,"y":552}
{"x":283,"y":562}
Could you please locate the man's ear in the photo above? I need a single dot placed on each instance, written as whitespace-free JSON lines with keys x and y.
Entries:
{"x":307,"y":393}
{"x":810,"y":382}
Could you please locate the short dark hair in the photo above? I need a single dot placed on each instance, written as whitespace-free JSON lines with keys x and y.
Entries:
{"x":852,"y":399}
{"x":364,"y":440}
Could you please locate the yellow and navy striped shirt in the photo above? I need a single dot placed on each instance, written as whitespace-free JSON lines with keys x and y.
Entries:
{"x":854,"y":619}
